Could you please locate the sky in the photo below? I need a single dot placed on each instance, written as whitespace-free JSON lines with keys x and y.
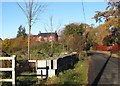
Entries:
{"x":63,"y":13}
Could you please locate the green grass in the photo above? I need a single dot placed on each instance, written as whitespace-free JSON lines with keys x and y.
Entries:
{"x":78,"y":75}
{"x":118,"y":53}
{"x":26,"y":80}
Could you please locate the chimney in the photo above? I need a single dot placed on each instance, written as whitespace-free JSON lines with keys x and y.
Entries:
{"x":39,"y":33}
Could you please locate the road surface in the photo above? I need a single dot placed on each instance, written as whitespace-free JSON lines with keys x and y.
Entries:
{"x":103,"y":70}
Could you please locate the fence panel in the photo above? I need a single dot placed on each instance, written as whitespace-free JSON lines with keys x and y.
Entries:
{"x":13,"y":80}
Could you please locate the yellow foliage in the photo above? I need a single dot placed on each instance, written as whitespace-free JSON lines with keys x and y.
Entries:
{"x":6,"y":44}
{"x":103,"y":29}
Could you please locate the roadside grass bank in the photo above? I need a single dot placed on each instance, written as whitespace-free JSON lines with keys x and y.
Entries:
{"x":78,"y":75}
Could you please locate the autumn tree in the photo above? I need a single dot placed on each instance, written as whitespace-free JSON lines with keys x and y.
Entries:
{"x":6,"y":46}
{"x":19,"y":44}
{"x":72,"y":37}
{"x":92,"y":36}
{"x":112,"y":11}
{"x":111,"y":17}
{"x":32,"y":9}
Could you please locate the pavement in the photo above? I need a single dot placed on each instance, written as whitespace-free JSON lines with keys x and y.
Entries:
{"x":103,"y":70}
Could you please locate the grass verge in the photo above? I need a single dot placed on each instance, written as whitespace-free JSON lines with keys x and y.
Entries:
{"x":78,"y":75}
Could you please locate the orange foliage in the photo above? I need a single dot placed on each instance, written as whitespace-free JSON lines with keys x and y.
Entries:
{"x":19,"y":43}
{"x":6,"y":44}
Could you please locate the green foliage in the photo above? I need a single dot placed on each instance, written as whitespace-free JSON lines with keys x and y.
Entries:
{"x":73,"y":38}
{"x":45,"y":48}
{"x":91,"y":37}
{"x":57,"y":48}
{"x":77,"y":75}
{"x":118,"y":53}
{"x":26,"y":80}
{"x":21,"y":31}
{"x":82,"y":55}
{"x":73,"y":29}
{"x":6,"y":84}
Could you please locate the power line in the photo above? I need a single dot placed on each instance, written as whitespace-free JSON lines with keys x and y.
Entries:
{"x":83,"y":12}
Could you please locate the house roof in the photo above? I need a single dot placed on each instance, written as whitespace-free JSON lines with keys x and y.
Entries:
{"x":46,"y":34}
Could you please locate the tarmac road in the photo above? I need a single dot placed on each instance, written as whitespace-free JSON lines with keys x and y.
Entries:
{"x":103,"y":70}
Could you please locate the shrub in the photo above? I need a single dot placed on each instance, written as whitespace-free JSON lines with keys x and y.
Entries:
{"x":118,"y":53}
{"x":82,"y":55}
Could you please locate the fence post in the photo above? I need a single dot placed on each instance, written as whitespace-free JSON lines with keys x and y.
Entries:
{"x":14,"y":69}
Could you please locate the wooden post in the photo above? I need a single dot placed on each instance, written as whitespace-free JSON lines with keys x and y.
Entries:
{"x":13,"y":72}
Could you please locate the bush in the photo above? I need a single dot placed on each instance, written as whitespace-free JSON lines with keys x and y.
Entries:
{"x":45,"y":48}
{"x":82,"y":55}
{"x":118,"y":53}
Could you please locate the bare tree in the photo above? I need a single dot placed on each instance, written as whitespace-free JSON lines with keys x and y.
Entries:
{"x":32,"y":9}
{"x":52,"y":27}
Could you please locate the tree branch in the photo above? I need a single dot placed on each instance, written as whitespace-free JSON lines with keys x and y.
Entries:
{"x":22,"y":10}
